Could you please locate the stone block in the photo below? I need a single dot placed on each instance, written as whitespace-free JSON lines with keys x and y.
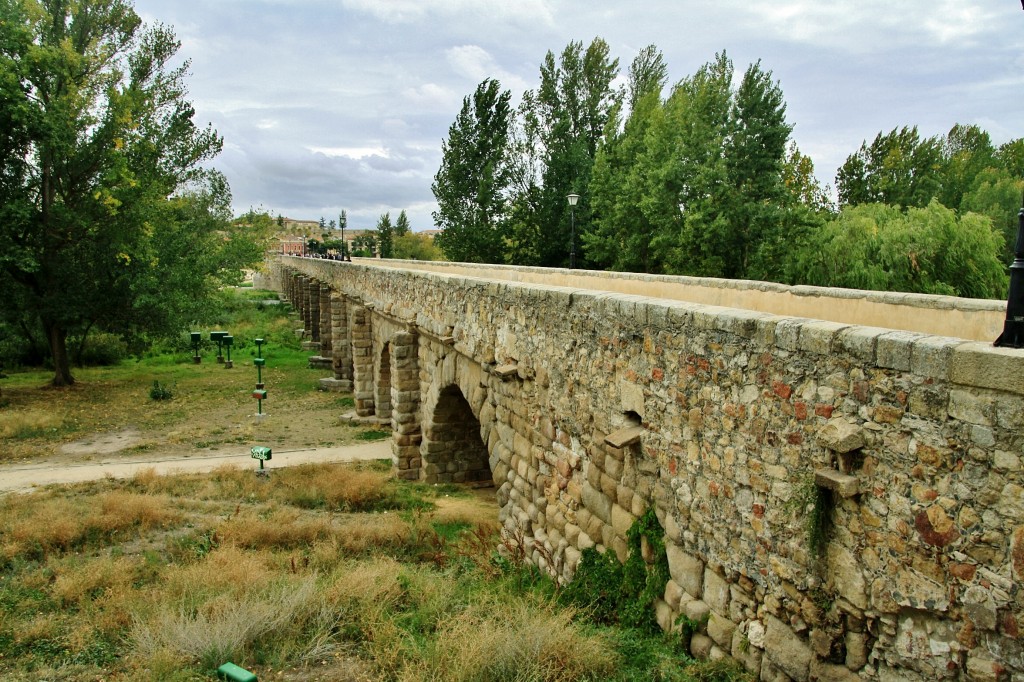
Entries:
{"x":700,"y":646}
{"x":716,"y":592}
{"x":686,"y":570}
{"x":842,"y":484}
{"x":817,"y":336}
{"x":673,"y":594}
{"x":721,"y":629}
{"x":787,"y":650}
{"x":985,"y":366}
{"x":847,"y":575}
{"x":697,"y":611}
{"x":625,"y":437}
{"x":621,"y":520}
{"x":664,"y":615}
{"x":743,"y":650}
{"x":597,"y":502}
{"x":840,"y":436}
{"x":828,"y":672}
{"x":856,"y":650}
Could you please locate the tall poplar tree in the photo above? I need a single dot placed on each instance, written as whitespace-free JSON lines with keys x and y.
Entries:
{"x":563,"y":121}
{"x":472,"y":184}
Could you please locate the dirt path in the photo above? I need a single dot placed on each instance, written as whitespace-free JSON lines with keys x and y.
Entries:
{"x":24,"y":478}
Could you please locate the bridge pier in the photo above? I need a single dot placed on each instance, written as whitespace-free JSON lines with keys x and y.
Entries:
{"x":362,"y":359}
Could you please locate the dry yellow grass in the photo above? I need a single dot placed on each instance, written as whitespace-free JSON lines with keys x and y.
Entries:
{"x":46,"y":523}
{"x":513,"y":640}
{"x":31,"y":422}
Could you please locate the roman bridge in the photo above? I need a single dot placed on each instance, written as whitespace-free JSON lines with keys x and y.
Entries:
{"x":735,"y":410}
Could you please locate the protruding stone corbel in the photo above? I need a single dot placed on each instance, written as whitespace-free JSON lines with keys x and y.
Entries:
{"x":629,"y":435}
{"x":506,"y":371}
{"x":842,"y":484}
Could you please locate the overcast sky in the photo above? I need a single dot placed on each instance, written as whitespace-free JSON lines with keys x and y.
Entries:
{"x":327,"y":105}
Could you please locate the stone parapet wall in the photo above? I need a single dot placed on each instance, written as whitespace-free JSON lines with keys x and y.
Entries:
{"x":976,"y":319}
{"x":595,"y":406}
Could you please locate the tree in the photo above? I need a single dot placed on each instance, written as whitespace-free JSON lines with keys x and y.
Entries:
{"x":924,"y":250}
{"x":413,"y":246}
{"x":623,"y":223}
{"x":897,"y":168}
{"x":101,"y":183}
{"x":966,"y":151}
{"x":365,"y":245}
{"x":563,"y":121}
{"x":472,"y":183}
{"x":1011,"y":157}
{"x":402,"y":224}
{"x":385,"y":236}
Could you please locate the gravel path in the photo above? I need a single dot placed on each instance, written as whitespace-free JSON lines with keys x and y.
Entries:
{"x":27,"y":477}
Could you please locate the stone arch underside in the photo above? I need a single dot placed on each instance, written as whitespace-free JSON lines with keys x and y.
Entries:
{"x":382,"y":387}
{"x":453,"y":450}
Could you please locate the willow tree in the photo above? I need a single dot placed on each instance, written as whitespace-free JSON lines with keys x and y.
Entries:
{"x":101,"y":178}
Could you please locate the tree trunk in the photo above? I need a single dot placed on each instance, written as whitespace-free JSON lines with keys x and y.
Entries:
{"x":58,"y":338}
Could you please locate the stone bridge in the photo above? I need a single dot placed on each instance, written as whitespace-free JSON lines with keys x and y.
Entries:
{"x":735,"y":410}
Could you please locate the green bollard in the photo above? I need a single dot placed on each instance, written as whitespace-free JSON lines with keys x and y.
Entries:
{"x":218,"y":338}
{"x":228,"y":342}
{"x":197,"y":337}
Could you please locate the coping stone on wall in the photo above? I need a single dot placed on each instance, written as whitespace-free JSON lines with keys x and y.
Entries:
{"x":986,"y":366}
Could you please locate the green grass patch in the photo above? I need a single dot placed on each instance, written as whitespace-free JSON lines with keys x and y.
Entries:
{"x":373,"y":434}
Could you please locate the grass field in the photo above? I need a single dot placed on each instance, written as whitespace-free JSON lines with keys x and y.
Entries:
{"x":317,"y":572}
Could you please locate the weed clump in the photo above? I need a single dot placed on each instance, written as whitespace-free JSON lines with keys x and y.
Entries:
{"x":624,"y":594}
{"x":159,"y":392}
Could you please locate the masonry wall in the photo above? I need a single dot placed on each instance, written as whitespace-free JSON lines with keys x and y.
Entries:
{"x":916,"y":438}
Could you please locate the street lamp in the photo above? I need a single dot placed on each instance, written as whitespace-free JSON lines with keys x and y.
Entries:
{"x":573,"y":198}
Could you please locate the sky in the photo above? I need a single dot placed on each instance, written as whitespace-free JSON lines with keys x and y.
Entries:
{"x":331,"y":105}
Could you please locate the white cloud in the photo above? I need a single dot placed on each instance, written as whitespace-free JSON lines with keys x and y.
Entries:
{"x":432,"y":96}
{"x":523,"y":12}
{"x":350,"y":152}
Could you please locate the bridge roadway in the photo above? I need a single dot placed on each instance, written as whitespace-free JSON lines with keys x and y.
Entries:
{"x":589,"y":398}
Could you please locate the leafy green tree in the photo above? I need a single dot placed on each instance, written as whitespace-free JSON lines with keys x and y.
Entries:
{"x":563,"y":121}
{"x":801,"y":182}
{"x":1011,"y":157}
{"x":622,"y":227}
{"x":385,"y":236}
{"x":414,"y":246}
{"x":997,"y":195}
{"x":897,"y":168}
{"x":966,"y":151}
{"x":472,"y":184}
{"x":758,"y":232}
{"x":365,"y":245}
{"x":101,"y":182}
{"x":924,"y":250}
{"x":402,"y":224}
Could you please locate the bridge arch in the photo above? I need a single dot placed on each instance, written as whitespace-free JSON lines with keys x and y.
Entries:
{"x":453,"y":450}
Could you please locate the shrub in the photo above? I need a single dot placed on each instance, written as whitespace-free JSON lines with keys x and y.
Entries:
{"x":160,"y":392}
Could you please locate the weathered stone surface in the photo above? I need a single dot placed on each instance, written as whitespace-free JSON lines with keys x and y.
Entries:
{"x":840,"y":436}
{"x":716,"y":592}
{"x":625,"y":437}
{"x":686,"y":570}
{"x":786,"y":650}
{"x":843,"y":485}
{"x":721,"y":630}
{"x":697,"y":611}
{"x":700,"y":646}
{"x":737,"y":409}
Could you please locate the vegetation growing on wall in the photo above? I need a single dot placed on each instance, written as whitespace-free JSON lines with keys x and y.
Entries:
{"x":624,"y":594}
